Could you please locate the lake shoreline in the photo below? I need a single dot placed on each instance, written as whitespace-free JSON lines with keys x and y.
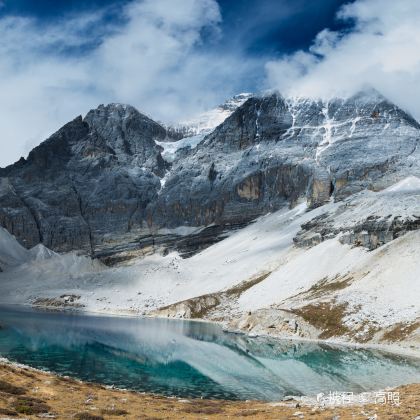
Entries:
{"x":394,"y":348}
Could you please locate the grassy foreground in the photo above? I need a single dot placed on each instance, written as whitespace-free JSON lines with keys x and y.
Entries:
{"x":28,"y":393}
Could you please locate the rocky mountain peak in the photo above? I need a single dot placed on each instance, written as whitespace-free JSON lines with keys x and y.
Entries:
{"x":124,"y":129}
{"x":100,"y":182}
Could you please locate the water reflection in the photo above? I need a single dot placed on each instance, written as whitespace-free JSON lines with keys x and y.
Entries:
{"x":191,"y":359}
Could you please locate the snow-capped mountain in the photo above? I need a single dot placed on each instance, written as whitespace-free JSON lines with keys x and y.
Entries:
{"x":105,"y":183}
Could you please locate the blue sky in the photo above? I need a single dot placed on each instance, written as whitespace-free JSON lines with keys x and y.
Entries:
{"x":257,"y":26}
{"x":276,"y":26}
{"x":175,"y":58}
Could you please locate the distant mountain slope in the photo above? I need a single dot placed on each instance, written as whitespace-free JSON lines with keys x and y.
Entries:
{"x":93,"y":177}
{"x":206,"y":122}
{"x":104,"y":184}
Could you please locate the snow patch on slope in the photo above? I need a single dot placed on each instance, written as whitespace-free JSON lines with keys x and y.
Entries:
{"x":386,"y":281}
{"x":170,"y":149}
{"x":196,"y":128}
{"x":41,"y":252}
{"x":409,"y":184}
{"x":158,"y":280}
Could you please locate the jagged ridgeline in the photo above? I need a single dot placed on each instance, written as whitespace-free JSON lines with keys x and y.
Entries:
{"x":103,"y":183}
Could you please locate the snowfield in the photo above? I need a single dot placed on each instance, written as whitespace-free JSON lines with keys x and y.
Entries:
{"x":256,"y":280}
{"x":170,"y":149}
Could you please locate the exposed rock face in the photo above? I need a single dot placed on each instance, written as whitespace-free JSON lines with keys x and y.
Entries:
{"x":94,"y":177}
{"x":272,"y":151}
{"x":100,"y":182}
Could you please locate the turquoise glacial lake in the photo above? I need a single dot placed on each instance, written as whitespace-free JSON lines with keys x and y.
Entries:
{"x":191,"y":359}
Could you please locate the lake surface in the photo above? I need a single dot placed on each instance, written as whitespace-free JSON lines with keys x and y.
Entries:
{"x":191,"y":359}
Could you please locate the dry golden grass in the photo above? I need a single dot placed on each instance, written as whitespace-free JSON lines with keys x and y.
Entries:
{"x":69,"y":399}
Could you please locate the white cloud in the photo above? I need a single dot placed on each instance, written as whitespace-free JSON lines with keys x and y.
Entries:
{"x":151,"y":59}
{"x":381,"y":51}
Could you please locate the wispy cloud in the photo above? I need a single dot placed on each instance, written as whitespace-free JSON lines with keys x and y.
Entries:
{"x":382,"y":51}
{"x":151,"y":57}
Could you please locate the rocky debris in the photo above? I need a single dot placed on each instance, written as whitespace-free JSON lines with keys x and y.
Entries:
{"x":275,"y":322}
{"x":373,"y":233}
{"x":63,"y":301}
{"x":195,"y":308}
{"x":100,"y":183}
{"x":70,"y":298}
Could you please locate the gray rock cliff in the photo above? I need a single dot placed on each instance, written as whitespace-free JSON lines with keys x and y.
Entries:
{"x":92,"y":178}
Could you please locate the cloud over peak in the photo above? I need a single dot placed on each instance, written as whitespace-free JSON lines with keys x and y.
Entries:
{"x":381,"y":50}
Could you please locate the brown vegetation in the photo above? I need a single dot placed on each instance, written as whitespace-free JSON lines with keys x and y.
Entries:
{"x":29,"y":405}
{"x":326,"y":316}
{"x":327,"y":285}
